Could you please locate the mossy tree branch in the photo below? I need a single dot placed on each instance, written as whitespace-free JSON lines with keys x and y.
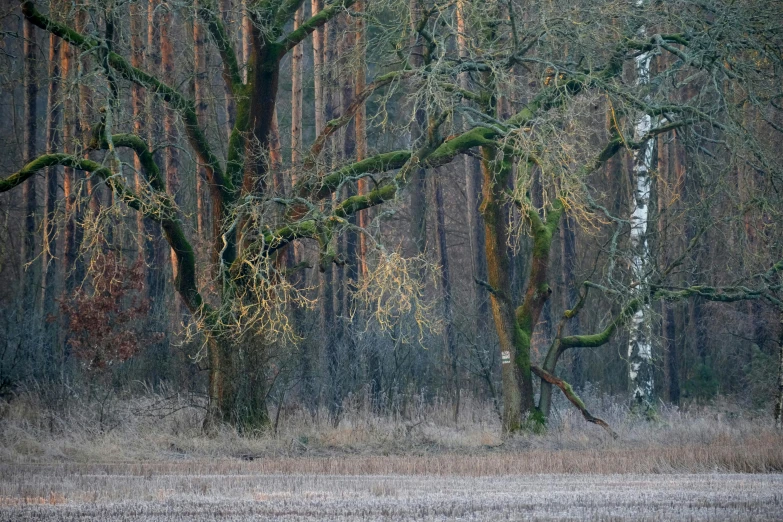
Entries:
{"x":571,"y":395}
{"x":290,"y":40}
{"x":170,"y":95}
{"x":214,"y":25}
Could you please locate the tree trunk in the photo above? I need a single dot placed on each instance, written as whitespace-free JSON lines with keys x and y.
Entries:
{"x":31,"y":280}
{"x":297,"y":144}
{"x":169,"y":119}
{"x":230,"y":107}
{"x":570,"y":291}
{"x":498,"y":265}
{"x":779,"y":405}
{"x":667,"y":154}
{"x":449,"y":335}
{"x":360,"y":131}
{"x":199,"y":95}
{"x":69,"y":188}
{"x":569,"y":296}
{"x":330,"y":281}
{"x":348,"y":271}
{"x":49,"y":290}
{"x":374,"y":369}
{"x":640,"y":346}
{"x":85,"y":110}
{"x":472,"y":168}
{"x":318,"y":70}
{"x":418,"y":182}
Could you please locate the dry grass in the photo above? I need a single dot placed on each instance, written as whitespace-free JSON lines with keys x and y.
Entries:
{"x":168,"y":431}
{"x":108,"y":494}
{"x":145,"y":458}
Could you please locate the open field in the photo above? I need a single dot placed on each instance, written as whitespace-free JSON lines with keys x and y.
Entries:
{"x":719,"y":463}
{"x":230,"y":491}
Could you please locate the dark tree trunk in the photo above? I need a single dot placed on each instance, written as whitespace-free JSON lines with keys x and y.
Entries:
{"x":49,"y":287}
{"x":449,"y":335}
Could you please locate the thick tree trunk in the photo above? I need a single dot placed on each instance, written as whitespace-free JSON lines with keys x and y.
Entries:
{"x":498,"y":265}
{"x":515,"y":326}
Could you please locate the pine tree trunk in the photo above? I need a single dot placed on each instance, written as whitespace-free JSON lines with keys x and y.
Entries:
{"x":199,"y":94}
{"x":69,"y":188}
{"x":779,"y":405}
{"x":154,"y":249}
{"x":318,"y":69}
{"x":230,"y":106}
{"x":85,"y":109}
{"x":297,"y":145}
{"x":472,"y":168}
{"x":667,"y":153}
{"x":348,"y":271}
{"x":570,"y":291}
{"x":417,"y":184}
{"x":31,"y":280}
{"x":49,"y":287}
{"x":360,"y":131}
{"x":169,"y":118}
{"x":449,"y":335}
{"x":330,"y":277}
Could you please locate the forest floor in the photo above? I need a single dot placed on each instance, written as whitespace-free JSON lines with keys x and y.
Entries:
{"x":227,"y":491}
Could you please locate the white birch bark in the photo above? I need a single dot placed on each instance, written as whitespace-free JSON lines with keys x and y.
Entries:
{"x":640,"y":346}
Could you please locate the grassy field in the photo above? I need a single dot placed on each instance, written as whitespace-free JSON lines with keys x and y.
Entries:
{"x":137,"y":460}
{"x":207,"y":490}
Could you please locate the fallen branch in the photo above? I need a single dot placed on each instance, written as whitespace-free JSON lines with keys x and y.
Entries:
{"x":573,"y":397}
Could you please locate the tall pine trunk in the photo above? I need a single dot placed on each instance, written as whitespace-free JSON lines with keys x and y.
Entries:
{"x":31,"y":280}
{"x":49,"y":286}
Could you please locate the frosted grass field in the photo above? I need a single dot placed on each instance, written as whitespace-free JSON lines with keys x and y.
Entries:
{"x":129,"y":492}
{"x":698,"y":465}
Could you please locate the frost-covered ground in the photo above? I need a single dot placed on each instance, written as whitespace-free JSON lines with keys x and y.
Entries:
{"x":130,"y":492}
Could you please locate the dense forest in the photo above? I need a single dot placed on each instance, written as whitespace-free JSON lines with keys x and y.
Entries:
{"x":273,"y":205}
